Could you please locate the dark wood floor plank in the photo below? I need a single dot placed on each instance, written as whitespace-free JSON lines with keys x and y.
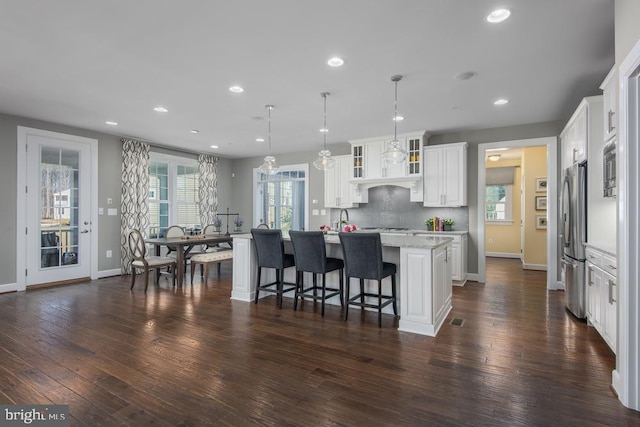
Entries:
{"x":191,"y":356}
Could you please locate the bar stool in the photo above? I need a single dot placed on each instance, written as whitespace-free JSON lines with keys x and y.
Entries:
{"x":363,"y":260}
{"x":270,"y":253}
{"x":310,"y":255}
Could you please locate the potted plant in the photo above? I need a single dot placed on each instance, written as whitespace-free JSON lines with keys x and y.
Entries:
{"x":238,"y":223}
{"x":217,"y":223}
{"x":325,"y":228}
{"x":349,"y":228}
{"x":448,"y":224}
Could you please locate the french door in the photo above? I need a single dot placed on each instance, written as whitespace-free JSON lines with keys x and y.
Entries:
{"x":58,"y":218}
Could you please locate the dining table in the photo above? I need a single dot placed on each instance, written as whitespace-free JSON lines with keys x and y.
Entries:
{"x":183,"y":246}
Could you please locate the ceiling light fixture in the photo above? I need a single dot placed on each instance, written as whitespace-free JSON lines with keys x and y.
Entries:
{"x":214,"y":146}
{"x":395,"y":153}
{"x":324,"y":160}
{"x":335,"y":62}
{"x":259,"y":139}
{"x":398,"y":118}
{"x":160,"y":110}
{"x":494,"y":157}
{"x":110,"y":123}
{"x":236,"y":89}
{"x":498,"y":15}
{"x":501,"y":101}
{"x":194,"y":131}
{"x":269,"y":166}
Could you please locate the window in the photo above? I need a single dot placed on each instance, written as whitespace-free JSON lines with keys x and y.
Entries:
{"x":498,"y":200}
{"x":281,"y":199}
{"x":173,"y":193}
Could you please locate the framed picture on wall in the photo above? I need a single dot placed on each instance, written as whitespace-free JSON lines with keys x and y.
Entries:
{"x":541,"y":185}
{"x":541,"y":203}
{"x":541,"y":222}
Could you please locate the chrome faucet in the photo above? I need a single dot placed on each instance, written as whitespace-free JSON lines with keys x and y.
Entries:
{"x":346,"y":214}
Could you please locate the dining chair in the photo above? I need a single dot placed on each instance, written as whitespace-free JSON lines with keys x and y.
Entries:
{"x":177,"y":231}
{"x":310,"y":255}
{"x":262,"y":225}
{"x":270,"y":254}
{"x":142,"y":261}
{"x":363,"y":260}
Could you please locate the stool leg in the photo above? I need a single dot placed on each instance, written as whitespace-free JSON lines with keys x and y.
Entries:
{"x":341,"y":288}
{"x":379,"y":303}
{"x":346,"y":294}
{"x":258,"y":285}
{"x":279,"y":286}
{"x":393,"y":293}
{"x":324,"y":292}
{"x":295,"y":296}
{"x":362,"y":294}
{"x":206,"y":273}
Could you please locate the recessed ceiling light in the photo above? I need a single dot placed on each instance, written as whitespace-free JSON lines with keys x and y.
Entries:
{"x":194,"y":131}
{"x":259,"y":139}
{"x":214,"y":146}
{"x":501,"y":101}
{"x":324,"y":130}
{"x":160,"y":110}
{"x":465,"y":75}
{"x":498,"y":15}
{"x":494,"y":157}
{"x":335,"y":62}
{"x":236,"y":89}
{"x":110,"y":123}
{"x":398,"y":118}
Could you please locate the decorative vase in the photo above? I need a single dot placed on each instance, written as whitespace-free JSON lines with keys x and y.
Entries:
{"x":237,"y":228}
{"x":447,"y":227}
{"x":217,"y":228}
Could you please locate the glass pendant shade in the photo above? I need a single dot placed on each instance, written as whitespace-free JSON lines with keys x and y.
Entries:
{"x":269,"y":167}
{"x":324,"y":161}
{"x":395,"y":153}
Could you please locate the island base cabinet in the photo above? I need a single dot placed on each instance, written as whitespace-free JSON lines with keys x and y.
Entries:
{"x":426,"y":289}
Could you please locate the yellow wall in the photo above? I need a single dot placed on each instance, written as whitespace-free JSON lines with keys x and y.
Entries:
{"x":534,"y":165}
{"x":505,"y":239}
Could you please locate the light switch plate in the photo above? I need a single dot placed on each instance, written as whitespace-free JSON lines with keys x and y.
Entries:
{"x":314,"y":212}
{"x":100,"y":211}
{"x":112,"y":211}
{"x":323,"y":211}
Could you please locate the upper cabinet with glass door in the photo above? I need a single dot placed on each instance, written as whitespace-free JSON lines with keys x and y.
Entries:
{"x":369,"y":165}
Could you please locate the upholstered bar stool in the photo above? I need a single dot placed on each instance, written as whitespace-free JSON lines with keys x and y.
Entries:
{"x":270,"y":253}
{"x":363,"y":260}
{"x":310,"y":255}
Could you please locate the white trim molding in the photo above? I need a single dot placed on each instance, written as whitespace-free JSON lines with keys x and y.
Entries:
{"x":626,"y":376}
{"x":539,"y":267}
{"x":504,"y":255}
{"x":109,"y":273}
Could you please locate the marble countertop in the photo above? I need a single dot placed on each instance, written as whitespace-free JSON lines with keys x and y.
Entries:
{"x":422,"y":240}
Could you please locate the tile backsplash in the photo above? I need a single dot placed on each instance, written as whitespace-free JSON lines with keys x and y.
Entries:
{"x":389,"y":206}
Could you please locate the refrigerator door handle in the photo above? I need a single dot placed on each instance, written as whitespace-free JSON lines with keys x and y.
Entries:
{"x":566,"y":262}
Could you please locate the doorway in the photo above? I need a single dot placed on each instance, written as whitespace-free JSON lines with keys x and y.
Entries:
{"x":549,"y":220}
{"x":57,"y":199}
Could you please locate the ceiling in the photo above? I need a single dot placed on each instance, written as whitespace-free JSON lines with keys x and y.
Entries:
{"x":84,"y":63}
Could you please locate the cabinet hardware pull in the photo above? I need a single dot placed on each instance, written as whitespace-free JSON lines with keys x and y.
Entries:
{"x":611,"y":267}
{"x":611,"y":285}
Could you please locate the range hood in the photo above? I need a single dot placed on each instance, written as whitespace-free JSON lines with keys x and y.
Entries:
{"x":413,"y":183}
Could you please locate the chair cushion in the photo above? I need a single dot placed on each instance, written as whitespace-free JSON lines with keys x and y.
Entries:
{"x":388,"y":269}
{"x":289,"y":261}
{"x":212,"y":257}
{"x":154,"y":261}
{"x":334,"y":264}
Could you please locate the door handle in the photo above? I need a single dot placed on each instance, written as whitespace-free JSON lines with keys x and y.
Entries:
{"x":84,"y":231}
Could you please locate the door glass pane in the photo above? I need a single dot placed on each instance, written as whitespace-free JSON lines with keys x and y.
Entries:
{"x":59,"y":212}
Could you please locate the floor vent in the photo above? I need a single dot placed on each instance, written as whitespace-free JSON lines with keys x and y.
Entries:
{"x":456,"y":322}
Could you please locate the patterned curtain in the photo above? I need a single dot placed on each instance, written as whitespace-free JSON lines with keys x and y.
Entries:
{"x":208,"y":196}
{"x":135,"y":193}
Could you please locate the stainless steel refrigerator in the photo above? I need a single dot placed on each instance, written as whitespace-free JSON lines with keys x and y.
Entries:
{"x":573,"y":234}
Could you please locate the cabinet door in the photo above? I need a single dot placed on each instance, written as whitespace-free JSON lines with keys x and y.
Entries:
{"x":596,"y":314}
{"x":414,"y":163}
{"x":580,"y":135}
{"x":610,"y":103}
{"x":439,"y":280}
{"x":330,"y":186}
{"x":373,"y":159}
{"x":432,"y":176}
{"x":342,"y":168}
{"x":456,"y":262}
{"x":357,"y":155}
{"x":589,"y":294}
{"x":610,"y":319}
{"x":454,"y":178}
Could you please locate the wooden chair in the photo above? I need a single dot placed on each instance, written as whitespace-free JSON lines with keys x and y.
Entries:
{"x":143,"y":262}
{"x":177,"y":231}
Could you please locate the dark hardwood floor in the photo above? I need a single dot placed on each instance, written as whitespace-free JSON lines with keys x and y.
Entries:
{"x":193,"y":357}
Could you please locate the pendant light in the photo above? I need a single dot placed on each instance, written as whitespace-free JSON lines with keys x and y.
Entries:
{"x":395,"y":153}
{"x":324,"y":160}
{"x":269,"y":166}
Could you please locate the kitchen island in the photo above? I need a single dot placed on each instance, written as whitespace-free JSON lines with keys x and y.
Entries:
{"x":424,"y":276}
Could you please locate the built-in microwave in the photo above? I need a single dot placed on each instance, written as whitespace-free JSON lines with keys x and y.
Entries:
{"x":609,"y":169}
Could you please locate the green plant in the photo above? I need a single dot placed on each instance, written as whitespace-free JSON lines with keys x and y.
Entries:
{"x":449,"y":221}
{"x":429,"y":222}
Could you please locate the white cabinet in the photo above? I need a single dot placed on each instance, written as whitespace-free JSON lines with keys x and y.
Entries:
{"x":425,"y":289}
{"x":445,"y":175}
{"x":610,"y":103}
{"x":369,"y":165}
{"x":584,"y":124}
{"x":459,"y":258}
{"x":602,"y":295}
{"x":336,"y":184}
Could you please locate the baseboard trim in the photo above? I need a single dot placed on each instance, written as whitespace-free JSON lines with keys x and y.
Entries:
{"x":503,"y":255}
{"x":540,"y":267}
{"x":109,"y":273}
{"x":472,"y":277}
{"x":9,"y":287}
